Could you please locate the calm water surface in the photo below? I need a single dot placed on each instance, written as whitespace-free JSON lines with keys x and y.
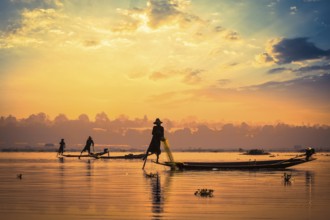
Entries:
{"x":69,"y":188}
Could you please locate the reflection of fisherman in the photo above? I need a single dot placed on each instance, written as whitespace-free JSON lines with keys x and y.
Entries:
{"x":309,"y":152}
{"x":62,"y":146}
{"x":157,"y":137}
{"x":88,"y":145}
{"x":157,"y":197}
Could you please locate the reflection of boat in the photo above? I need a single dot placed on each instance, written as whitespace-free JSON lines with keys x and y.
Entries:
{"x":256,"y":152}
{"x":248,"y":165}
{"x":127,"y":156}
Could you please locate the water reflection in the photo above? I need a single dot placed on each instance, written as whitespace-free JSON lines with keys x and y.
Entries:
{"x":309,"y":183}
{"x":61,"y":159}
{"x":61,"y":166}
{"x":88,"y":168}
{"x":157,"y":193}
{"x":309,"y":179}
{"x":157,"y":196}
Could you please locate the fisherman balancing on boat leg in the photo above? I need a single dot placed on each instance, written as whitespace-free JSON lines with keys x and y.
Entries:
{"x":88,"y":145}
{"x":157,"y":137}
{"x":61,"y":149}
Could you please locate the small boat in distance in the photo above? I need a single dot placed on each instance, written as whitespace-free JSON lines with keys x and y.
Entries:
{"x":126,"y":156}
{"x":256,"y":152}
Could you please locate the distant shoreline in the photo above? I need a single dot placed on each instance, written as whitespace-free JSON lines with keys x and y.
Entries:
{"x":138,"y":150}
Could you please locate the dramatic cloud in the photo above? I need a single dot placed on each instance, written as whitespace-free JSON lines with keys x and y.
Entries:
{"x":123,"y":133}
{"x":156,"y":14}
{"x":310,"y":88}
{"x":317,"y":68}
{"x":284,"y":51}
{"x":162,"y":12}
{"x":309,"y":70}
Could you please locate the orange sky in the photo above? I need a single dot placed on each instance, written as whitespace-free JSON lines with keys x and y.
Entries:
{"x":184,"y":60}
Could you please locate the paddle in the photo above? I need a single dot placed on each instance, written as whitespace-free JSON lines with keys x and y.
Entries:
{"x":145,"y":160}
{"x":144,"y":164}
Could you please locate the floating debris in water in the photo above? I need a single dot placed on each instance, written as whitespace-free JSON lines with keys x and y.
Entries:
{"x":287,"y":177}
{"x":204,"y":192}
{"x":19,"y":176}
{"x":151,"y":175}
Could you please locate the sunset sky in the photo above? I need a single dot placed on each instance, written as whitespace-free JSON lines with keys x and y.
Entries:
{"x":259,"y":61}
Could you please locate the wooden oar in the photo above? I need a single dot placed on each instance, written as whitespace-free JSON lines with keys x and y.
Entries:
{"x":145,"y":160}
{"x":144,"y":164}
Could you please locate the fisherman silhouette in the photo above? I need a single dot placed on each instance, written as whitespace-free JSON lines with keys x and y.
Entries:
{"x":62,"y":146}
{"x":88,"y":145}
{"x":157,"y":137}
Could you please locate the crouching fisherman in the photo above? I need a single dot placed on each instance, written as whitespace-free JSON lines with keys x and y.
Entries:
{"x":88,"y":145}
{"x":309,"y":152}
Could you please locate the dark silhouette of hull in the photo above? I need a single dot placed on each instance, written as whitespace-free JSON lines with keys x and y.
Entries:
{"x":249,"y":165}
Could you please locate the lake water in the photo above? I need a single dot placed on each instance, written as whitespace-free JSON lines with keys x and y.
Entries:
{"x":70,"y":188}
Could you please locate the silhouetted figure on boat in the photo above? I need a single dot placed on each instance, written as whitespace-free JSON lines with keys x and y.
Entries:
{"x":309,"y":152}
{"x":157,"y":137}
{"x":88,"y":145}
{"x":61,"y":148}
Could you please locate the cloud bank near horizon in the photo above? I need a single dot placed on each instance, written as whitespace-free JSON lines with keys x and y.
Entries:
{"x":38,"y":132}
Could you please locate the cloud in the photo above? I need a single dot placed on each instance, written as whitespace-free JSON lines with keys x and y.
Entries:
{"x":308,"y":90}
{"x":162,"y":12}
{"x":264,"y":58}
{"x":156,"y":14}
{"x":192,"y":76}
{"x":310,"y":70}
{"x":169,"y":14}
{"x":34,"y":28}
{"x":223,"y":82}
{"x":91,"y":43}
{"x":158,"y":76}
{"x":308,"y":87}
{"x":54,"y":23}
{"x":316,"y":68}
{"x":277,"y":70}
{"x":231,"y":35}
{"x":43,"y":3}
{"x":188,"y":76}
{"x":297,"y":49}
{"x":293,"y":10}
{"x":284,"y":51}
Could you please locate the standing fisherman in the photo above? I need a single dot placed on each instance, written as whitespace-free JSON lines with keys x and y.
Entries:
{"x":88,"y":145}
{"x":62,"y":146}
{"x":157,"y":137}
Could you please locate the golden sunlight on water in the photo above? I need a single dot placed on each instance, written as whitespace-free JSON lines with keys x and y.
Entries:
{"x":68,"y":188}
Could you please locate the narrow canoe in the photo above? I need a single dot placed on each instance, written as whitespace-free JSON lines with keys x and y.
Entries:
{"x":127,"y":156}
{"x":248,"y":165}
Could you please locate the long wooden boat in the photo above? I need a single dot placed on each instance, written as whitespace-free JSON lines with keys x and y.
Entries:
{"x":127,"y":156}
{"x":248,"y":165}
